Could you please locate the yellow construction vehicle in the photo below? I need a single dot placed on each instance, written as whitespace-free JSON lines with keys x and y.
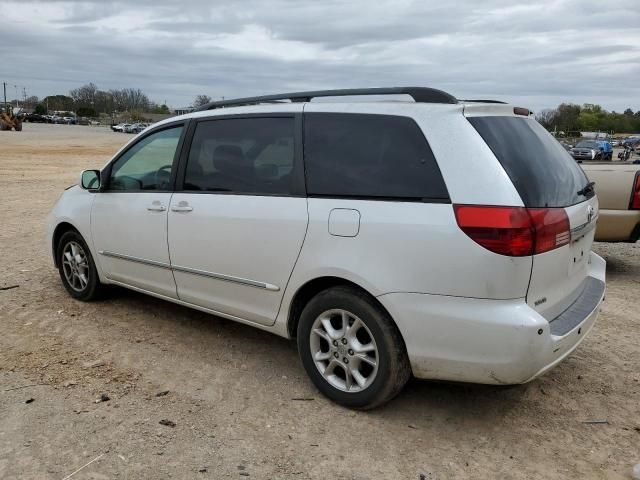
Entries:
{"x":8,"y":120}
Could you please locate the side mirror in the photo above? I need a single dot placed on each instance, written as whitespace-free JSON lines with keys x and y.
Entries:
{"x":90,"y":179}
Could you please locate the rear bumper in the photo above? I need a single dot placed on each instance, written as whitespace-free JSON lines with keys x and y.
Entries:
{"x":618,"y":226}
{"x":486,"y":341}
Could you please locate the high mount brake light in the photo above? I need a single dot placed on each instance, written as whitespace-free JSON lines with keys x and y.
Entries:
{"x":514,"y":231}
{"x":521,"y":111}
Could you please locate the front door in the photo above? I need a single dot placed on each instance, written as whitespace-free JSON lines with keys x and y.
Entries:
{"x":237,"y":224}
{"x":129,"y":218}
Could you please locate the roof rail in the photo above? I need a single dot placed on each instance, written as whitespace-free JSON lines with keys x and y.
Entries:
{"x":483,"y":101}
{"x":419,"y":94}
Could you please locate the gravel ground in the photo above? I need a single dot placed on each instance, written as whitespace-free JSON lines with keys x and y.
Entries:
{"x":195,"y":396}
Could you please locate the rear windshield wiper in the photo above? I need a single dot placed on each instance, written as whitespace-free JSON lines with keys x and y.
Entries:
{"x":588,"y":188}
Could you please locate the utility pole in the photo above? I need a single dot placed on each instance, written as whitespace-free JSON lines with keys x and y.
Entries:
{"x":4,"y":86}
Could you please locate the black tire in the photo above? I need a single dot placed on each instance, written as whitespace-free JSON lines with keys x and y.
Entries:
{"x":93,"y":288}
{"x":393,"y":368}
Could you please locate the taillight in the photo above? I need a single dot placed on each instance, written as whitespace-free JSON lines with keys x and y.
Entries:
{"x":635,"y":194}
{"x":551,"y":227}
{"x":514,"y":231}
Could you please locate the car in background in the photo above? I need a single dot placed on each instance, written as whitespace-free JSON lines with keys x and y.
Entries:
{"x":69,"y":120}
{"x":135,"y":128}
{"x":592,"y":150}
{"x":618,"y":188}
{"x":120,"y":127}
{"x":35,"y":118}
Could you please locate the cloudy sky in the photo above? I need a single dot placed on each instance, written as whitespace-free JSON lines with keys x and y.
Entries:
{"x":533,"y":53}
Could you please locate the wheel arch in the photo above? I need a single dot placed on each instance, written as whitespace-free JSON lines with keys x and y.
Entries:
{"x":311,"y":288}
{"x":59,"y":231}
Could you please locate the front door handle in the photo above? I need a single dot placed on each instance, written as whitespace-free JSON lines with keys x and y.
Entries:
{"x":182,"y":206}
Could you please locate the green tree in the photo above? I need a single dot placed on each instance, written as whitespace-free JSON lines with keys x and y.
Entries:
{"x":160,"y":109}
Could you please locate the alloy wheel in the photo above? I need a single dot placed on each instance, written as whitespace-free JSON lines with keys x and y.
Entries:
{"x":344,"y":350}
{"x":75,"y":266}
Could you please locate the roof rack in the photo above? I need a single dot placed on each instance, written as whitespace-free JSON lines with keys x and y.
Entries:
{"x":419,"y":94}
{"x":483,"y":101}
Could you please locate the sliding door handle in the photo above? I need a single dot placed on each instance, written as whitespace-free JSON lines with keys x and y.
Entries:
{"x":179,"y":208}
{"x":182,"y":206}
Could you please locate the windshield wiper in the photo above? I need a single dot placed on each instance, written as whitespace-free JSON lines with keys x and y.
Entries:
{"x":588,"y":188}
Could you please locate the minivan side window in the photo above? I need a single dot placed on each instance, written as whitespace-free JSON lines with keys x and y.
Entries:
{"x":148,"y":164}
{"x":242,"y":155}
{"x":370,"y":156}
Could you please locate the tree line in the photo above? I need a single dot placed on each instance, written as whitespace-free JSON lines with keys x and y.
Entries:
{"x":89,"y":101}
{"x":568,"y":117}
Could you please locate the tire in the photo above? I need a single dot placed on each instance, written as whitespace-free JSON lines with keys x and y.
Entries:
{"x":376,"y":384}
{"x":18,"y":127}
{"x":89,"y":289}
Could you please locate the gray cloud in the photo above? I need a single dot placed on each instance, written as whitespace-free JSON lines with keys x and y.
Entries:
{"x":535,"y":54}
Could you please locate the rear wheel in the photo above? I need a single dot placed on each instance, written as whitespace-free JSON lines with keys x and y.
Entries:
{"x":351,"y":348}
{"x":77,"y":268}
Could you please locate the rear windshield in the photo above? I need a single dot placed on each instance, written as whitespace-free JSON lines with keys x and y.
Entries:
{"x":542,"y":171}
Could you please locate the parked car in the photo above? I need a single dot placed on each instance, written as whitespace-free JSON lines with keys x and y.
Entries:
{"x":120,"y":127}
{"x":35,"y":118}
{"x":135,"y":128}
{"x":618,"y":187}
{"x":354,"y":228}
{"x":592,"y":150}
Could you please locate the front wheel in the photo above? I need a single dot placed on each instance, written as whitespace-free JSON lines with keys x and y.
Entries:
{"x":77,"y":268}
{"x":351,"y":348}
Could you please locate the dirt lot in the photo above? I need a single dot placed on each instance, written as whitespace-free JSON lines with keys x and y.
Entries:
{"x":239,"y":398}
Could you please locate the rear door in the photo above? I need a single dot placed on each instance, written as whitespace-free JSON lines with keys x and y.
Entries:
{"x":239,"y":216}
{"x":547,"y":178}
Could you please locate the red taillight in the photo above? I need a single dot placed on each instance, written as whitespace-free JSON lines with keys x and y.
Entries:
{"x":635,"y":195}
{"x":551,"y":226}
{"x":514,"y":231}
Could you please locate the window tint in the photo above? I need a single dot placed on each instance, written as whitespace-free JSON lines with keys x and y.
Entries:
{"x":358,"y":155}
{"x":147,"y":165}
{"x":243,"y":155}
{"x":542,"y":171}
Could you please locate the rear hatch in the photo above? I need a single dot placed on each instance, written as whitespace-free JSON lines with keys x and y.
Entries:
{"x":549,"y":182}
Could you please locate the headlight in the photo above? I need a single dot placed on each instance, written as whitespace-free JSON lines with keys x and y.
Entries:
{"x":593,"y":154}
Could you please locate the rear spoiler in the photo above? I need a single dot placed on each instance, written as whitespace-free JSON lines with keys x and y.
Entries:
{"x":484,"y":109}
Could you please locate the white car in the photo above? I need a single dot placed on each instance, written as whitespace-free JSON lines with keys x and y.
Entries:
{"x":355,"y":228}
{"x":120,"y":127}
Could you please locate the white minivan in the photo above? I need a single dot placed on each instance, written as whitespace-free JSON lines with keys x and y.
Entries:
{"x":448,"y":239}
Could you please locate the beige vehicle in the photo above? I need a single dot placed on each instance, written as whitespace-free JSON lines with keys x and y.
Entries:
{"x":618,"y":189}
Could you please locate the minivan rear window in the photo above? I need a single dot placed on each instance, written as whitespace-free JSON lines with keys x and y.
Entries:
{"x":375,"y":157}
{"x":542,"y":171}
